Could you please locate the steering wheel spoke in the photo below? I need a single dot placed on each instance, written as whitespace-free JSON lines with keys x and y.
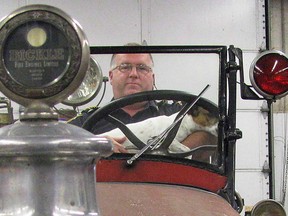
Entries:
{"x":128,"y":133}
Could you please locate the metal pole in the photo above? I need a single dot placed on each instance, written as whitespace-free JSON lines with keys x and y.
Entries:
{"x":271,"y":151}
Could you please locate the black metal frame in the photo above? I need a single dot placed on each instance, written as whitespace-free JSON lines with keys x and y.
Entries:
{"x":228,"y":133}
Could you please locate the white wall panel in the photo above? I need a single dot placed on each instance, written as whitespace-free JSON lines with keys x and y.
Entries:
{"x":252,"y":149}
{"x":105,"y":22}
{"x":252,"y":153}
{"x":169,"y":22}
{"x":109,"y":22}
{"x":205,"y":22}
{"x":281,"y":151}
{"x":252,"y":186}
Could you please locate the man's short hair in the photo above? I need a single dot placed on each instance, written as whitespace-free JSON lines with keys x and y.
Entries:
{"x":128,"y":44}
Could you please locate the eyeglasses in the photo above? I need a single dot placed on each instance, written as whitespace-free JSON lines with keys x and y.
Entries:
{"x":127,"y":68}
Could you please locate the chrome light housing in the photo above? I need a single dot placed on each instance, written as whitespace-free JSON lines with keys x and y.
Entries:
{"x":269,"y":74}
{"x":89,"y":88}
{"x":268,"y":208}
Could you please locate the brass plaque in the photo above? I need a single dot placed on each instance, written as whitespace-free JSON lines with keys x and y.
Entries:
{"x":43,"y":52}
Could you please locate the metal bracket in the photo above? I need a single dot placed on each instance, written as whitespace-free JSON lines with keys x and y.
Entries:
{"x":266,"y":169}
{"x":234,"y":135}
{"x":264,"y":109}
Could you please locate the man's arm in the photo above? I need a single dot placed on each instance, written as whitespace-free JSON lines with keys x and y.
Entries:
{"x":199,"y":138}
{"x":202,"y":138}
{"x":81,"y":118}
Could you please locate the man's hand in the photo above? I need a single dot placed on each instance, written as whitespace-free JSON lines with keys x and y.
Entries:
{"x":117,"y":144}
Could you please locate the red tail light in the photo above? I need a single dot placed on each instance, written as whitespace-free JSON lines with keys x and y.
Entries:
{"x":269,"y":74}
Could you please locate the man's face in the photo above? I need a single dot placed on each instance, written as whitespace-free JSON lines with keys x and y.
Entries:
{"x":126,"y":83}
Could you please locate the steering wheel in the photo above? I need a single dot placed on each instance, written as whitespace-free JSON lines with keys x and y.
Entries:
{"x":104,"y":112}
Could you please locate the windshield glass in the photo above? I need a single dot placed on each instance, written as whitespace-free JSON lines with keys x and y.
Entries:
{"x":195,"y":134}
{"x":185,"y":72}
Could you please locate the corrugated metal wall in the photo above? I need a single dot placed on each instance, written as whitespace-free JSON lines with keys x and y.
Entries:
{"x":225,"y":22}
{"x":279,"y":38}
{"x":278,"y":31}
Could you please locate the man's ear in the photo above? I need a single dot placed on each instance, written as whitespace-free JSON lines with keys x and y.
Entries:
{"x":154,"y":85}
{"x":110,"y":76}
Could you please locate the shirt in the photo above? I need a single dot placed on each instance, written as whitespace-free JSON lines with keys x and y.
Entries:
{"x":153,"y":109}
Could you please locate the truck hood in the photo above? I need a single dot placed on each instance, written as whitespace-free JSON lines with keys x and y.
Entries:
{"x":148,"y":199}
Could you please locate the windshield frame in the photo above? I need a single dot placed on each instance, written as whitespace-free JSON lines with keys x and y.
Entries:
{"x":221,"y":51}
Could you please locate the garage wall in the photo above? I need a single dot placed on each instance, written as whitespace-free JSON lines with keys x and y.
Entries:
{"x":278,"y":17}
{"x":197,"y":22}
{"x":110,"y":22}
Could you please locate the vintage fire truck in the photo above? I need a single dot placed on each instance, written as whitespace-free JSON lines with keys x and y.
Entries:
{"x":49,"y":167}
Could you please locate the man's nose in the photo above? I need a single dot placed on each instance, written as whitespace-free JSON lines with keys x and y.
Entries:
{"x":134,"y":72}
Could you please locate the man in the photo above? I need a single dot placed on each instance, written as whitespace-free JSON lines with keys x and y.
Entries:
{"x":130,"y":74}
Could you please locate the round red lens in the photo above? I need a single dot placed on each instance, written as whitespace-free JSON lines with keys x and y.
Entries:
{"x":270,"y":74}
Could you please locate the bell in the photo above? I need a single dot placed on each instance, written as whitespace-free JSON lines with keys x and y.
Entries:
{"x":48,"y":167}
